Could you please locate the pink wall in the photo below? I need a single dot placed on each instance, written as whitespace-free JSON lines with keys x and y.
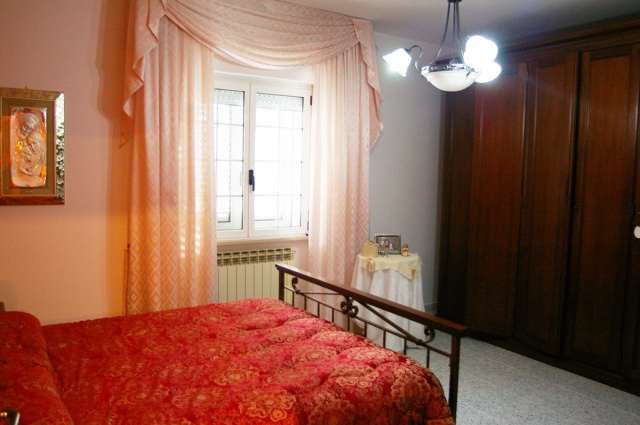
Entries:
{"x":65,"y":262}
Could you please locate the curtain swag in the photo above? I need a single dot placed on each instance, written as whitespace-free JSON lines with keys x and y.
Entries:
{"x":289,"y":36}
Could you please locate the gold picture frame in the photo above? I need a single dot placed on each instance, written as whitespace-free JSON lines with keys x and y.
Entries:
{"x":31,"y":147}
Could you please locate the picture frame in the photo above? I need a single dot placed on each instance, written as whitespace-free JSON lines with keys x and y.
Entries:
{"x":31,"y":147}
{"x":394,"y":244}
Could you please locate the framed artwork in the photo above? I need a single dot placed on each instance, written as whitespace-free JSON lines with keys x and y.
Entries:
{"x":388,"y":244}
{"x":31,"y":147}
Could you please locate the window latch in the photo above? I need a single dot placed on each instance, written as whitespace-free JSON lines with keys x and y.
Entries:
{"x":252,"y":181}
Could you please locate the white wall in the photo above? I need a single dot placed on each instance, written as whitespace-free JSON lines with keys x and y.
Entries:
{"x":405,"y":161}
{"x":64,"y":262}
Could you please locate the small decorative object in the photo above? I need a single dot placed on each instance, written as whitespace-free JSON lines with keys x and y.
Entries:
{"x":32,"y":147}
{"x":370,"y":249}
{"x":414,"y":273}
{"x":405,"y":250}
{"x":371,"y":265}
{"x":388,"y":244}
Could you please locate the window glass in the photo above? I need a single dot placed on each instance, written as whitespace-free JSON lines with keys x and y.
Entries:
{"x":260,"y":130}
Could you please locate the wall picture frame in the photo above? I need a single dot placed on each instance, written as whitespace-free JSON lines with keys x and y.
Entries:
{"x":31,"y":147}
{"x":392,"y":242}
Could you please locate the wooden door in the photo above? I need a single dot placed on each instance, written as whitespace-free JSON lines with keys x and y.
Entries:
{"x":456,"y":203}
{"x":544,"y":231}
{"x":495,"y":202}
{"x":631,"y":335}
{"x":606,"y":160}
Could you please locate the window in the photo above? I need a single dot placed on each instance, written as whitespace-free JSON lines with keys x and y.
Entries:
{"x":261,"y":134}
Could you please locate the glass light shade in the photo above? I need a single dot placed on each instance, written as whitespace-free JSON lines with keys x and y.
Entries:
{"x":399,"y":61}
{"x":489,"y":72}
{"x":451,"y":79}
{"x":479,"y":51}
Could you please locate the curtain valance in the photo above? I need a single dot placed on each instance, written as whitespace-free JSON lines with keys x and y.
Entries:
{"x":266,"y":34}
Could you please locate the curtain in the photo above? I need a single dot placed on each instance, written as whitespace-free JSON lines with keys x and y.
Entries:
{"x":172,"y":232}
{"x":267,"y":34}
{"x":339,"y":213}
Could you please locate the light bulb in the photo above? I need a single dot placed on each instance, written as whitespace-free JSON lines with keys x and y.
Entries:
{"x":399,"y":61}
{"x":479,"y":51}
{"x":489,"y":72}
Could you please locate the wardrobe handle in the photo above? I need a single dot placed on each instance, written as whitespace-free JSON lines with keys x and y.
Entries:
{"x":636,"y":232}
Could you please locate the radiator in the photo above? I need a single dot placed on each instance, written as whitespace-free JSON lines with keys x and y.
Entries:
{"x":250,"y":274}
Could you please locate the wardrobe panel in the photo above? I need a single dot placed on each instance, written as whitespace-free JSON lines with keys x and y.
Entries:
{"x":551,"y":89}
{"x":495,"y":202}
{"x":631,"y":333}
{"x":604,"y":206}
{"x":456,"y":199}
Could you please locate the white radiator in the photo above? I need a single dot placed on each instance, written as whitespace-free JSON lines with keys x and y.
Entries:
{"x":250,"y":274}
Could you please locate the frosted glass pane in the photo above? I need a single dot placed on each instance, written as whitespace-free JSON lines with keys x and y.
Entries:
{"x":229,"y":213}
{"x":229,"y":178}
{"x":265,"y":211}
{"x":267,"y":117}
{"x":237,"y":115}
{"x":296,"y":150}
{"x":286,"y":144}
{"x":284,"y":209}
{"x":295,"y":211}
{"x":296,"y":179}
{"x":286,"y":119}
{"x":223,"y":114}
{"x":285,"y":181}
{"x":267,"y":144}
{"x":266,"y":174}
{"x":237,"y":143}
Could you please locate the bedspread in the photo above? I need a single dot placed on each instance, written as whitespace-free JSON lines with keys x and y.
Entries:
{"x":245,"y":362}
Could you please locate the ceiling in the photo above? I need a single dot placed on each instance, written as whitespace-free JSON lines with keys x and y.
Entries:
{"x":423,"y":20}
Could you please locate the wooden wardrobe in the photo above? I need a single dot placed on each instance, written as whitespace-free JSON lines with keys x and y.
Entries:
{"x":540,"y":200}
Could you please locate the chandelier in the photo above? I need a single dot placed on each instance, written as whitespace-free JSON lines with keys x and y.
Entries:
{"x":475,"y":64}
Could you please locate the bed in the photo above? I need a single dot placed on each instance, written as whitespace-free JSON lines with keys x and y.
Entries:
{"x":244,"y":362}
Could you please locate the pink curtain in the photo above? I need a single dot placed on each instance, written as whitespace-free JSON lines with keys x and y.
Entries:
{"x":339,"y":212}
{"x":172,"y":229}
{"x":166,"y":235}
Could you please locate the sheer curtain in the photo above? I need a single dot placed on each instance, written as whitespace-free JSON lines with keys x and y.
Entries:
{"x":168,"y":86}
{"x":172,"y":256}
{"x":339,"y":206}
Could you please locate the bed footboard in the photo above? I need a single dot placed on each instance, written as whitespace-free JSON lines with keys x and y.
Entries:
{"x":354,"y":299}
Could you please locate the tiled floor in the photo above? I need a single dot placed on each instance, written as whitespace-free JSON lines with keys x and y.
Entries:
{"x":499,"y":387}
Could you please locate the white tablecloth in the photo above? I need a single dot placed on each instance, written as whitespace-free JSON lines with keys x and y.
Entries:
{"x":395,"y":278}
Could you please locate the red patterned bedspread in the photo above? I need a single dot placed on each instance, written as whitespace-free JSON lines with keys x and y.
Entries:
{"x":245,"y":362}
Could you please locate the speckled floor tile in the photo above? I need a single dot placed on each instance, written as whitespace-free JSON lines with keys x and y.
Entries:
{"x":499,"y":387}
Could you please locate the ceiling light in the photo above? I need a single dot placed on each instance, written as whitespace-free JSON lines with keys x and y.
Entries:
{"x":400,"y":59}
{"x":475,"y":64}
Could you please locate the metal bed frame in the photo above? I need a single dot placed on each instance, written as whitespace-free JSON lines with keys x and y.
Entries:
{"x":354,"y":299}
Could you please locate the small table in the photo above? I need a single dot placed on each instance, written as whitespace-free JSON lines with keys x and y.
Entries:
{"x":395,"y":278}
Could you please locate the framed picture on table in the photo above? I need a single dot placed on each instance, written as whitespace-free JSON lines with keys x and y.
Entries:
{"x":388,"y":244}
{"x":31,"y":147}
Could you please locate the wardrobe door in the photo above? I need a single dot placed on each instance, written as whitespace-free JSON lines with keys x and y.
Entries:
{"x":456,"y":203}
{"x":495,"y":202}
{"x":551,"y":93}
{"x":631,"y":343}
{"x":606,"y":160}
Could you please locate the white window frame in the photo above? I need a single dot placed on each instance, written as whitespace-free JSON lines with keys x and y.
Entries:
{"x":251,"y":86}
